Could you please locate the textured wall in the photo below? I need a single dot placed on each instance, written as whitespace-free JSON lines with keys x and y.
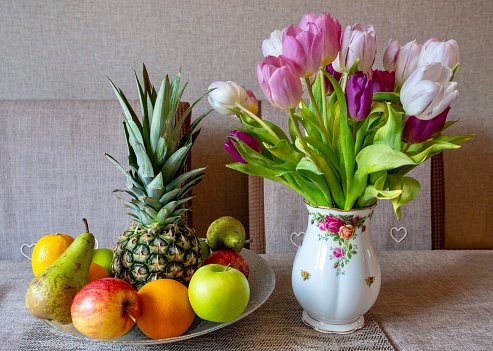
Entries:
{"x":64,"y":50}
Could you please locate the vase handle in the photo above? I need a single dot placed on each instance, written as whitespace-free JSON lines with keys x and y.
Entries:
{"x":299,"y":238}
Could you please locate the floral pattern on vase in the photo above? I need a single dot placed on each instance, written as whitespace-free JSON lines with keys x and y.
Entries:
{"x":342,"y":230}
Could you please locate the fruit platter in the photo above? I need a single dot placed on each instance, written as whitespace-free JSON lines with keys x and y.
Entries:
{"x":262,"y":282}
{"x":160,"y":281}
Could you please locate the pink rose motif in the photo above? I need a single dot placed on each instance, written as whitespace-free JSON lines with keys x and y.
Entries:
{"x":321,"y":225}
{"x":346,"y":232}
{"x":338,"y":252}
{"x":333,"y":224}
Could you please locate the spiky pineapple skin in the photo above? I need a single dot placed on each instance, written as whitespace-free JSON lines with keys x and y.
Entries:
{"x":145,"y":254}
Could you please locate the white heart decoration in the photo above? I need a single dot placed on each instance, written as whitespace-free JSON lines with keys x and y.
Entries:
{"x":30,"y":247}
{"x":398,"y":230}
{"x":298,"y":238}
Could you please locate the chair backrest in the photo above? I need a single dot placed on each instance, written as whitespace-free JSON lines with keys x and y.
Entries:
{"x":54,"y":171}
{"x":275,"y":212}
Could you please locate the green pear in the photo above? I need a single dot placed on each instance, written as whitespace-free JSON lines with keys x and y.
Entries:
{"x":50,"y":294}
{"x":226,"y":233}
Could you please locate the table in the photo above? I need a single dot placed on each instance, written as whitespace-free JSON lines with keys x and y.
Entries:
{"x":429,"y":300}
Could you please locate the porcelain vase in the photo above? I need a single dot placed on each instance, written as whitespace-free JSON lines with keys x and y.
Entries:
{"x":336,"y":273}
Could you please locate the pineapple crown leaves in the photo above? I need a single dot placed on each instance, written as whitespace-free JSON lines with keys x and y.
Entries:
{"x":156,"y":152}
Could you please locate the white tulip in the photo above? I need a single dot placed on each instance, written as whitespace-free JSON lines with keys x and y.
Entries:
{"x":407,"y":61}
{"x":226,"y":96}
{"x":428,"y":91}
{"x":273,"y":45}
{"x":444,"y":52}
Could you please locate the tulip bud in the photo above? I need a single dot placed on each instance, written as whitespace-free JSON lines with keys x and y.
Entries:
{"x":229,"y":145}
{"x":252,"y":102}
{"x":226,"y":95}
{"x":417,"y":130}
{"x":359,"y":93}
{"x":428,"y":91}
{"x":331,"y":34}
{"x":273,"y":45}
{"x":407,"y":61}
{"x":303,"y":48}
{"x":279,"y":80}
{"x":390,"y":55}
{"x":383,"y":81}
{"x":444,"y":52}
{"x":357,"y":43}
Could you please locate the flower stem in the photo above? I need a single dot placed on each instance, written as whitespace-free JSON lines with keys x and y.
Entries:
{"x":406,"y":147}
{"x":314,"y":103}
{"x":324,"y":96}
{"x":259,"y":120}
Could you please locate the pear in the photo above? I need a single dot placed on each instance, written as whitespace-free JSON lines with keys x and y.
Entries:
{"x":226,"y":233}
{"x":50,"y":294}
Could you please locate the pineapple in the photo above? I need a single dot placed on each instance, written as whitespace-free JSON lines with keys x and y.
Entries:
{"x":159,"y":243}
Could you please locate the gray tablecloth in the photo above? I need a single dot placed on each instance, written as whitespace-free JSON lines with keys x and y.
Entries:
{"x":430,"y":300}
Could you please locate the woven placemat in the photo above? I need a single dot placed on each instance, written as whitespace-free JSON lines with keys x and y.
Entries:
{"x":276,"y":325}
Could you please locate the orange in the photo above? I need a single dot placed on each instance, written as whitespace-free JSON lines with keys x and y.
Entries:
{"x":97,"y":272}
{"x":165,"y":310}
{"x":48,"y":249}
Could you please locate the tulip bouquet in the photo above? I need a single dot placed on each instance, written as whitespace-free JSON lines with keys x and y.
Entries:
{"x":354,"y":131}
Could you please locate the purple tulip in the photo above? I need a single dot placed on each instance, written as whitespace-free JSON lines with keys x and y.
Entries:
{"x":333,"y":224}
{"x":331,"y":34}
{"x":330,"y":70}
{"x":417,"y":130}
{"x":229,"y":145}
{"x":359,"y":93}
{"x":303,"y":48}
{"x":357,"y":43}
{"x":383,"y":81}
{"x":280,"y":82}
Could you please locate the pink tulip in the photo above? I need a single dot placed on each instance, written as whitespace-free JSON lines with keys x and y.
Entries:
{"x":428,"y":91}
{"x":357,"y":43}
{"x":303,"y":48}
{"x":444,"y":52}
{"x":331,"y":34}
{"x":417,"y":130}
{"x":407,"y":61}
{"x":279,"y":80}
{"x":390,"y":55}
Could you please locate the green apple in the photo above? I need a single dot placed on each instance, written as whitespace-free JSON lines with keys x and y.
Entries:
{"x":218,"y":293}
{"x":103,"y":257}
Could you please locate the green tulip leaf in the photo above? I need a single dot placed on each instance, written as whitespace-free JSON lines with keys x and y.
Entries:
{"x":390,"y":133}
{"x":410,"y":188}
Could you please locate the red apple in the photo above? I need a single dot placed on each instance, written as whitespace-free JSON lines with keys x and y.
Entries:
{"x":105,"y":308}
{"x":229,"y":257}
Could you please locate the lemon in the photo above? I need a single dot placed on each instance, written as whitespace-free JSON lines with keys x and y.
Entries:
{"x":48,"y":249}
